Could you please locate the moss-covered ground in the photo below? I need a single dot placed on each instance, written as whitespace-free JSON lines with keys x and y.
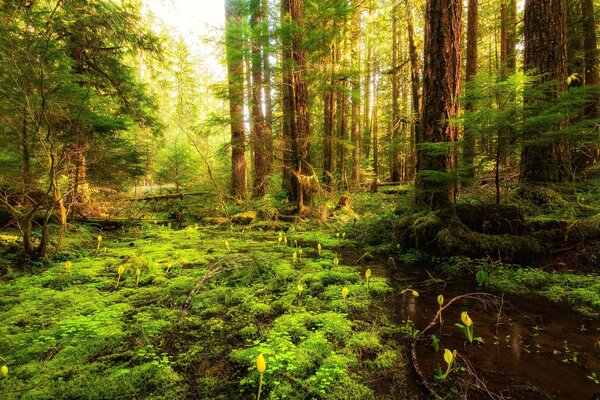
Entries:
{"x":75,"y":334}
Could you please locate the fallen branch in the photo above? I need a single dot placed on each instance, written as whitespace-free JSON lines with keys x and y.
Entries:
{"x":483,"y":297}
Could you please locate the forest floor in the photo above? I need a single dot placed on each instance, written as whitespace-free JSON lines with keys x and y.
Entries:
{"x":195,"y":306}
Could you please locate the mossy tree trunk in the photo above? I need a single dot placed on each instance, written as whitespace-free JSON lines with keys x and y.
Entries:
{"x":546,"y":53}
{"x":441,"y":89}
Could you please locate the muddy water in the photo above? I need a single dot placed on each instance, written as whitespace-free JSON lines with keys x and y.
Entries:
{"x":534,"y":350}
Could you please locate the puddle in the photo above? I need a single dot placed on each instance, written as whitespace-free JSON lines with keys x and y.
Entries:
{"x":535,"y":350}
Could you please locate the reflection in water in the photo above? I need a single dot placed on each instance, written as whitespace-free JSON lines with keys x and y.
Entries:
{"x":409,"y":308}
{"x":515,"y":341}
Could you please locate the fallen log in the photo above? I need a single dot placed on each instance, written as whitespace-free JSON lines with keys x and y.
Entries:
{"x":170,"y":196}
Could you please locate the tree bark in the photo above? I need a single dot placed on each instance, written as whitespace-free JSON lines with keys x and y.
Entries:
{"x":342,"y":121}
{"x":546,"y":52}
{"x":235,"y":74}
{"x":328,"y":122}
{"x":441,"y":89}
{"x":395,"y":145}
{"x":415,"y":77}
{"x":590,"y":49}
{"x":355,"y":90}
{"x":471,"y":71}
{"x":366,"y":138}
{"x":260,"y":135}
{"x":301,"y":169}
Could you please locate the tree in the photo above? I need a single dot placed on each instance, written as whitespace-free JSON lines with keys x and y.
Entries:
{"x":302,"y":170}
{"x":235,"y":74}
{"x":472,"y":38}
{"x":441,"y":84}
{"x":545,"y":159}
{"x":355,"y":93}
{"x":261,"y":133}
{"x":395,"y":147}
{"x":415,"y":78}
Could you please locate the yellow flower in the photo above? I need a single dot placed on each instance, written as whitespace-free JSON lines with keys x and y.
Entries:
{"x":300,"y":288}
{"x":464,"y":316}
{"x":138,"y":272}
{"x":68,"y":266}
{"x":4,"y":370}
{"x":120,"y":270}
{"x":440,"y":300}
{"x":319,"y":248}
{"x":295,"y":257}
{"x":99,"y":238}
{"x":415,"y":293}
{"x":368,"y":273}
{"x":336,"y":261}
{"x":227,"y":245}
{"x":448,"y":356}
{"x":345,"y":293}
{"x":261,"y":365}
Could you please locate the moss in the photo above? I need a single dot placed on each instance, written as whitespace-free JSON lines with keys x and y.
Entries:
{"x":244,"y":218}
{"x":443,"y":233}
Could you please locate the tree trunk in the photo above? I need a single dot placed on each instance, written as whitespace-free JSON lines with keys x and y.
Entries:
{"x":287,"y":106}
{"x":441,"y":89}
{"x":235,"y":74}
{"x":302,"y":170}
{"x":260,"y":136}
{"x":508,"y":37}
{"x":546,"y":52}
{"x":590,"y":50}
{"x":328,"y":122}
{"x":395,"y":145}
{"x":267,"y":77}
{"x":508,"y":66}
{"x":26,"y":157}
{"x":471,"y":71}
{"x":366,"y":139}
{"x":342,"y":120}
{"x":355,"y":90}
{"x":415,"y":77}
{"x":376,"y":130}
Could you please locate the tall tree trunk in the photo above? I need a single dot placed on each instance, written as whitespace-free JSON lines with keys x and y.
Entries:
{"x":415,"y":78}
{"x":328,"y":122}
{"x":590,"y":50}
{"x":260,"y":135}
{"x":376,"y":130}
{"x":287,"y":106}
{"x":235,"y":74}
{"x":395,"y":145}
{"x":267,"y":75}
{"x":366,"y":139}
{"x":26,"y":156}
{"x":546,"y":52}
{"x":342,"y":121}
{"x":441,"y":89}
{"x":471,"y":71}
{"x":508,"y":66}
{"x":355,"y":90}
{"x":508,"y":37}
{"x":81,"y":192}
{"x":302,"y":172}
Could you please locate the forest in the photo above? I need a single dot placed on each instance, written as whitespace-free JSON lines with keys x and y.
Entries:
{"x":299,"y":199}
